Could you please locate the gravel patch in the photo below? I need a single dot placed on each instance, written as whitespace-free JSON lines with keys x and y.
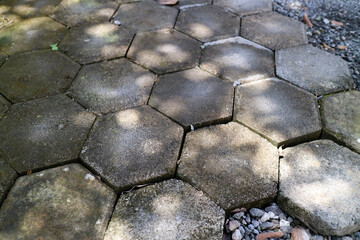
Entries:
{"x":335,"y":27}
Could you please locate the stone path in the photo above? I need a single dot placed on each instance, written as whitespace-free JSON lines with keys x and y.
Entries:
{"x":144,"y":121}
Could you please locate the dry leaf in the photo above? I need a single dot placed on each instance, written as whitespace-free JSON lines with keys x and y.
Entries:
{"x":336,"y":23}
{"x":168,"y":2}
{"x":28,"y":172}
{"x":263,"y":236}
{"x":239,"y":210}
{"x":341,"y":47}
{"x":307,"y":21}
{"x":327,"y":46}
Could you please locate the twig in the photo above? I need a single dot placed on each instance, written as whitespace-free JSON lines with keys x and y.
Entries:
{"x":6,"y":24}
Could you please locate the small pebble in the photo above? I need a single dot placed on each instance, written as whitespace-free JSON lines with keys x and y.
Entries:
{"x":236,"y":235}
{"x":234,"y":225}
{"x":116,"y":22}
{"x":255,"y":212}
{"x":266,"y":225}
{"x":255,"y":223}
{"x":265,"y":217}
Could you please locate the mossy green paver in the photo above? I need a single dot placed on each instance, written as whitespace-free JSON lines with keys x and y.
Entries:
{"x":237,"y":59}
{"x":283,"y":113}
{"x":83,"y":12}
{"x":273,"y":30}
{"x":231,"y":164}
{"x":112,"y":86}
{"x":314,"y":70}
{"x":146,"y":16}
{"x":96,"y":42}
{"x":208,"y":23}
{"x":63,"y":203}
{"x":319,"y":183}
{"x":245,"y":7}
{"x":31,"y":34}
{"x":165,"y":51}
{"x":7,"y":178}
{"x":340,"y":115}
{"x":4,"y":106}
{"x":43,"y":132}
{"x":193,"y":97}
{"x":133,"y":147}
{"x":170,"y":210}
{"x":36,"y":74}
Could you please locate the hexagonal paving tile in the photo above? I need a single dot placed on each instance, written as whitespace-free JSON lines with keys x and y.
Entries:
{"x":245,"y":7}
{"x":82,"y":12}
{"x":43,"y":132}
{"x":7,"y":178}
{"x":319,"y":183}
{"x":273,"y":30}
{"x":313,"y":69}
{"x":283,"y":113}
{"x":166,"y":210}
{"x":20,"y":9}
{"x":237,"y":59}
{"x":231,"y":164}
{"x":65,"y":203}
{"x":42,"y":73}
{"x":146,"y":16}
{"x":4,"y":105}
{"x":96,"y":42}
{"x":341,"y":118}
{"x":31,"y":34}
{"x":207,"y":23}
{"x":193,"y":97}
{"x":112,"y":86}
{"x":165,"y":51}
{"x":3,"y":57}
{"x":132,"y":147}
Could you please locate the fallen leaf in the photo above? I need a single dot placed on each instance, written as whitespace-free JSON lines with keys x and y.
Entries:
{"x":327,"y":46}
{"x":239,"y":210}
{"x":28,"y":172}
{"x":54,"y":47}
{"x":168,"y":2}
{"x":307,"y":21}
{"x":263,"y":236}
{"x":341,"y":47}
{"x":336,"y":23}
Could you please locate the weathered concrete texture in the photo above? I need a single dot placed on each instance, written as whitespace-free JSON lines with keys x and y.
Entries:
{"x":313,"y":69}
{"x":192,"y":3}
{"x":273,"y":30}
{"x":237,"y":59}
{"x":3,"y":57}
{"x":133,"y":147}
{"x":165,"y":51}
{"x":231,"y":164}
{"x":43,"y":132}
{"x":20,"y":9}
{"x":208,"y":23}
{"x":63,"y":203}
{"x":146,"y":16}
{"x":7,"y":178}
{"x":245,"y":7}
{"x":96,"y":42}
{"x":193,"y":97}
{"x":82,"y":12}
{"x":170,"y":210}
{"x":283,"y":113}
{"x":31,"y":34}
{"x":319,"y":183}
{"x":36,"y":74}
{"x":4,"y":106}
{"x":340,"y":115}
{"x":112,"y":86}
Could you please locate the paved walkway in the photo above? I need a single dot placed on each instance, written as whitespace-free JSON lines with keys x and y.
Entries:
{"x":133,"y":120}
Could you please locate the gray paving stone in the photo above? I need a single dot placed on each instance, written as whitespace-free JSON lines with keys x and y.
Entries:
{"x":3,"y":57}
{"x":283,"y":113}
{"x":43,"y":132}
{"x":165,"y":51}
{"x":112,"y":86}
{"x":96,"y":42}
{"x":192,"y":3}
{"x":237,"y":59}
{"x":146,"y":16}
{"x":231,"y":164}
{"x":21,"y":9}
{"x":42,"y":73}
{"x":75,"y":13}
{"x":7,"y":178}
{"x":132,"y":147}
{"x":193,"y":97}
{"x":245,"y":7}
{"x":273,"y":30}
{"x":63,"y":203}
{"x":319,"y":183}
{"x":170,"y":210}
{"x":4,"y":106}
{"x":340,"y":115}
{"x":208,"y":23}
{"x":31,"y":34}
{"x":313,"y":69}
